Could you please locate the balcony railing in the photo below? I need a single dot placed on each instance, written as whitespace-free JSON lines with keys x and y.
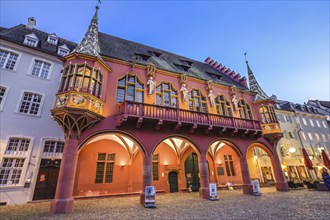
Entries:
{"x":79,"y":100}
{"x":147,"y":111}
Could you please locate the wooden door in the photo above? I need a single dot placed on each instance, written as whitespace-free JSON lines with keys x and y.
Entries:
{"x":47,"y":179}
{"x":173,"y":181}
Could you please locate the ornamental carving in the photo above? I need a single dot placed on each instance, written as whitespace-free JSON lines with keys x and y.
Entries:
{"x":61,"y":100}
{"x":209,"y":85}
{"x":78,"y":100}
{"x":151,"y":70}
{"x":233,"y":90}
{"x":96,"y":106}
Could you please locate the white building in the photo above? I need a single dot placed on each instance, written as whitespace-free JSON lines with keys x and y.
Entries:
{"x":30,"y":73}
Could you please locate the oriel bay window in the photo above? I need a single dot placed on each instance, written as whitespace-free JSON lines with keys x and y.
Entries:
{"x":222,"y":106}
{"x":166,"y":95}
{"x":244,"y":110}
{"x":104,"y":168}
{"x":197,"y":101}
{"x":129,"y":88}
{"x":82,"y":78}
{"x":267,"y":114}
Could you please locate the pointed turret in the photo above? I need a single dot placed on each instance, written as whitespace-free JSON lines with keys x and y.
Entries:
{"x":253,"y":84}
{"x":90,"y":43}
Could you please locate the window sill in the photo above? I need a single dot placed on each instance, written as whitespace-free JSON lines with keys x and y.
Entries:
{"x":9,"y":70}
{"x":25,"y":114}
{"x":37,"y":77}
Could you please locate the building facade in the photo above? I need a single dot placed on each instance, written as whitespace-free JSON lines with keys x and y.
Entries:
{"x":135,"y":116}
{"x":30,"y":73}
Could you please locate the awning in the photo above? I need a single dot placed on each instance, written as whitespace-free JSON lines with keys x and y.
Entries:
{"x":307,"y":160}
{"x":326,"y":160}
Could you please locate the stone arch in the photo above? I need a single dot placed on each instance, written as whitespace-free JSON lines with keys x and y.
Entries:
{"x":192,"y":143}
{"x":230,"y":143}
{"x":95,"y":134}
{"x":263,"y":146}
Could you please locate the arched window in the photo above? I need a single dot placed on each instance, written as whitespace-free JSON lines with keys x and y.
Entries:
{"x":197,"y":101}
{"x":82,"y":78}
{"x":244,"y":110}
{"x":166,"y":95}
{"x":267,"y":114}
{"x":222,"y":105}
{"x":129,"y":88}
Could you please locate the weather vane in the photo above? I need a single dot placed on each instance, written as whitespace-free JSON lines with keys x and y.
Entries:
{"x":245,"y":57}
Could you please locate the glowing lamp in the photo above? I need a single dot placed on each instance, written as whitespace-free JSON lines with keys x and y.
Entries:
{"x":292,"y":149}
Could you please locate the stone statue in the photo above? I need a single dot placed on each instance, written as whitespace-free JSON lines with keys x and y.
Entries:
{"x":235,"y":103}
{"x":212,"y":98}
{"x":184,"y":91}
{"x":151,"y":84}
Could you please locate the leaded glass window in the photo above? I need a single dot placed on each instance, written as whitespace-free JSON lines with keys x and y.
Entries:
{"x":197,"y":101}
{"x":166,"y":95}
{"x":129,"y":88}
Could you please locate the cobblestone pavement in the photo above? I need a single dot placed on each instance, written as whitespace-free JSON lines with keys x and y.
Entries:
{"x":296,"y":204}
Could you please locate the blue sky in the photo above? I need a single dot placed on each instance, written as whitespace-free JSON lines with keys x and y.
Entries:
{"x":287,"y":41}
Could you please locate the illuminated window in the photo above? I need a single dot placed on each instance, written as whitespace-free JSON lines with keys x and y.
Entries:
{"x":312,"y":123}
{"x":304,"y":136}
{"x":244,"y":110}
{"x":104,"y":168}
{"x":310,"y":136}
{"x":317,"y":137}
{"x":155,"y":167}
{"x":304,"y":121}
{"x":267,"y":114}
{"x":324,"y":124}
{"x":7,"y":59}
{"x":129,"y":88}
{"x":166,"y":95}
{"x":197,"y":101}
{"x":11,"y":170}
{"x":82,"y":78}
{"x":223,"y":106}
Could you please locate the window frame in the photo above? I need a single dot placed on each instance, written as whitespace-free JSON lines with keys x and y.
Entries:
{"x":155,"y":167}
{"x":107,"y":169}
{"x":172,"y":96}
{"x":137,"y":90}
{"x":4,"y":97}
{"x":54,"y":152}
{"x":41,"y":104}
{"x":11,"y":169}
{"x":202,"y":101}
{"x":229,"y":165}
{"x":10,"y":51}
{"x":220,"y":105}
{"x":43,"y":61}
{"x":246,"y":109}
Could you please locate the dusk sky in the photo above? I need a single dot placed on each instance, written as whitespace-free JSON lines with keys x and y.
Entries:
{"x":287,"y":42}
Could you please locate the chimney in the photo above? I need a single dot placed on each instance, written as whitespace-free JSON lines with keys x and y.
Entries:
{"x":31,"y":23}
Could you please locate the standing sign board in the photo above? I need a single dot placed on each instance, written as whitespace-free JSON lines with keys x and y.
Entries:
{"x":213,"y":191}
{"x":150,"y":197}
{"x":255,"y":188}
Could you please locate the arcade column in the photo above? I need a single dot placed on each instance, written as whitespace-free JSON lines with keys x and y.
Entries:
{"x":204,"y":178}
{"x":247,"y":186}
{"x":147,"y":175}
{"x":63,"y":202}
{"x":280,"y":182}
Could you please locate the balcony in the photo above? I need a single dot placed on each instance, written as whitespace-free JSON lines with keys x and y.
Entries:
{"x":142,"y":112}
{"x":79,"y":100}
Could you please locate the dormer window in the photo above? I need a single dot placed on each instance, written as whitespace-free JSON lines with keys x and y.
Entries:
{"x":182,"y":67}
{"x":52,"y":39}
{"x":31,"y":40}
{"x":186,"y":62}
{"x":141,"y":56}
{"x":155,"y":54}
{"x":63,"y":50}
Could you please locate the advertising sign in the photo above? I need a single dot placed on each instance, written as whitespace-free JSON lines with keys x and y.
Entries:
{"x":150,"y":197}
{"x":255,"y":188}
{"x":213,"y":191}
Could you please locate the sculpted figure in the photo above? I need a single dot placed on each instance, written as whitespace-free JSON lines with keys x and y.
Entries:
{"x":151,"y":84}
{"x":235,"y":103}
{"x":184,"y":91}
{"x":212,"y":98}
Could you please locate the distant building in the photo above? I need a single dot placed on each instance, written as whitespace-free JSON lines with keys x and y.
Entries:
{"x":30,"y":65}
{"x":322,"y":107}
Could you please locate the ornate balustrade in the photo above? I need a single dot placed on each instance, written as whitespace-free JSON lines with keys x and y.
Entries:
{"x":79,"y":100}
{"x":161,"y":113}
